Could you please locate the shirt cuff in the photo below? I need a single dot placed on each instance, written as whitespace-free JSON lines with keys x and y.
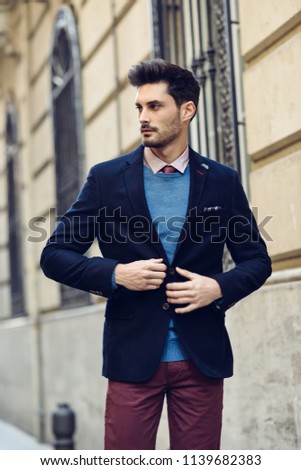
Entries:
{"x":114,"y":285}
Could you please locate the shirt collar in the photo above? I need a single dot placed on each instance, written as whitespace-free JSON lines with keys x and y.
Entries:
{"x":156,"y":165}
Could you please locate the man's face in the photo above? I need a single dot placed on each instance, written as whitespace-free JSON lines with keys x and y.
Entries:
{"x":159,"y":117}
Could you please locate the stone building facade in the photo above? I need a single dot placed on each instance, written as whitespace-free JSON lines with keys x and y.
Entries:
{"x":65,"y":105}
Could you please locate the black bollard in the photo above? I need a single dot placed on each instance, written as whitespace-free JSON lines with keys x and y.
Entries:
{"x":63,"y":427}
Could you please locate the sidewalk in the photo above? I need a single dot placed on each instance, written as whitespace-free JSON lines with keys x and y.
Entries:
{"x":13,"y":438}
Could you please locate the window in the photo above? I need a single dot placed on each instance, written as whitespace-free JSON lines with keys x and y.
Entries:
{"x":14,"y":222}
{"x":67,"y":124}
{"x":202,"y":35}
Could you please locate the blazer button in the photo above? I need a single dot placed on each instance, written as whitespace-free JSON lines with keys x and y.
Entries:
{"x":165,"y":306}
{"x":172,"y":271}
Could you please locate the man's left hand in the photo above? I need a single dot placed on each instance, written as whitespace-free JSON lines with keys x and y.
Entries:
{"x":197,"y":292}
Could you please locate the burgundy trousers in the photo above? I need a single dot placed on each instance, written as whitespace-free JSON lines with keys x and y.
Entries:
{"x":194,"y":405}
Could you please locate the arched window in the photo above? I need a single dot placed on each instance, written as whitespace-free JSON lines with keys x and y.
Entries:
{"x":203,"y":36}
{"x":14,"y":222}
{"x":67,"y":124}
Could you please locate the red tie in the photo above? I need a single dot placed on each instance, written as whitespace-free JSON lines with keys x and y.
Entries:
{"x":169,"y":169}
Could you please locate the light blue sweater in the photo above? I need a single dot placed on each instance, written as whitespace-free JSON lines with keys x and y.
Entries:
{"x":167,"y":199}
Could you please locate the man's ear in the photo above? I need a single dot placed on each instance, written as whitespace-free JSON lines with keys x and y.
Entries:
{"x":188,"y":110}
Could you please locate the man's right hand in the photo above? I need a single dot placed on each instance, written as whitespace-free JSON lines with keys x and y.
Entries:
{"x":141,"y":275}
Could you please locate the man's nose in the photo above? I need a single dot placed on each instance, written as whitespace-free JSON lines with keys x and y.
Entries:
{"x":143,"y":116}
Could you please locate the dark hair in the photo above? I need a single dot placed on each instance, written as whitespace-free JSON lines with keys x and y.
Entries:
{"x":181,"y":83}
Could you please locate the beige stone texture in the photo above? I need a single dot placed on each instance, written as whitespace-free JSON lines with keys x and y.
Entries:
{"x":99,"y":78}
{"x":5,"y":301}
{"x":37,"y":234}
{"x":23,"y":45}
{"x":22,"y":65}
{"x":129,"y":120}
{"x":48,"y":293}
{"x":23,"y":121}
{"x":44,"y":191}
{"x":35,"y":10}
{"x":260,"y":19}
{"x":83,"y":384}
{"x":13,"y":22}
{"x":272,"y":96}
{"x":76,"y":4}
{"x":23,"y":28}
{"x":2,"y":158}
{"x":163,"y":430}
{"x":95,"y":17}
{"x":43,"y":35}
{"x":35,"y":238}
{"x":2,"y":129}
{"x":262,"y":405}
{"x":40,"y":96}
{"x":2,"y":100}
{"x":102,"y":136}
{"x":276,"y":191}
{"x":93,"y":250}
{"x":26,"y":182}
{"x":8,"y":84}
{"x":119,"y":5}
{"x":262,"y":401}
{"x":2,"y":125}
{"x":42,"y":144}
{"x":4,"y":229}
{"x":3,"y":190}
{"x":21,"y":83}
{"x":133,"y":37}
{"x":16,"y":372}
{"x":4,"y":263}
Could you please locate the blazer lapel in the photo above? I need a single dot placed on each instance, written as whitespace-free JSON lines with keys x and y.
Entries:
{"x":198,"y":177}
{"x":133,"y":179}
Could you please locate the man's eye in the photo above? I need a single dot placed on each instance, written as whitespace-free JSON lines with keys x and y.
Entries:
{"x":155,"y":106}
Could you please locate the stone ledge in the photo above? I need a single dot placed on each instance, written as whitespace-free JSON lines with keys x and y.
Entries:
{"x":287,"y":275}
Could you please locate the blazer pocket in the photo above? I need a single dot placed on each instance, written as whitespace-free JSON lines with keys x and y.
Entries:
{"x":207,"y":215}
{"x":208,"y":210}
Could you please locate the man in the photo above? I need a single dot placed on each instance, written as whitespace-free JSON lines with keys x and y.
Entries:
{"x":162,"y":216}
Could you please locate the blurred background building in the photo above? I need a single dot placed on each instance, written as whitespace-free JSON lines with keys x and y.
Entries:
{"x":65,"y":105}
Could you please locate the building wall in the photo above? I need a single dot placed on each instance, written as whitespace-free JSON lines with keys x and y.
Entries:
{"x":262,"y":401}
{"x":54,"y":356}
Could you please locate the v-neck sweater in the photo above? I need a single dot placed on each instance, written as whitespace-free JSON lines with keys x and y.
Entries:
{"x":167,"y":199}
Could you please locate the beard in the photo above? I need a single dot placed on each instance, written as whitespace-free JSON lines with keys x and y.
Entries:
{"x":165,"y":137}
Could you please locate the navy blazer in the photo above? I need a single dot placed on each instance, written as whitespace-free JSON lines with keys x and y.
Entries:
{"x":112,"y":207}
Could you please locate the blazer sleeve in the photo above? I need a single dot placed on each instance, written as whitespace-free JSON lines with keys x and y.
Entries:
{"x":248,"y":251}
{"x":63,"y":258}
